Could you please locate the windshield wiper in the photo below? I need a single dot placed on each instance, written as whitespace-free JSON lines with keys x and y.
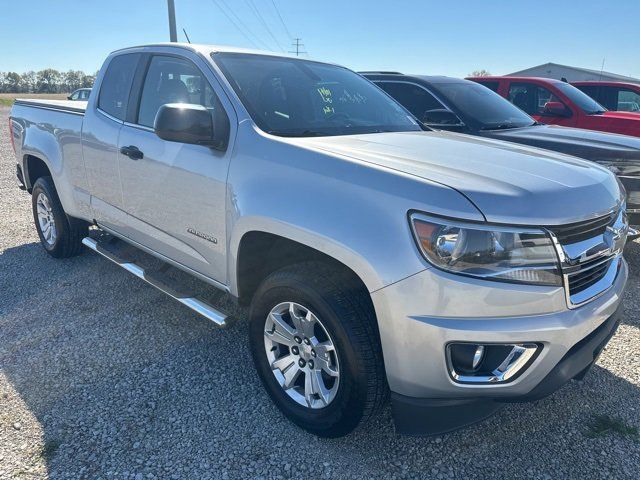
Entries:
{"x":304,"y":133}
{"x":502,"y":126}
{"x":596,"y":112}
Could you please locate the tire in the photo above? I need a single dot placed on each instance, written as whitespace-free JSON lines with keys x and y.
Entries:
{"x":346,"y":319}
{"x":64,"y":239}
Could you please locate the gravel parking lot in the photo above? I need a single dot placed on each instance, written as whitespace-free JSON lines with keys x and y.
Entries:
{"x":101,"y":376}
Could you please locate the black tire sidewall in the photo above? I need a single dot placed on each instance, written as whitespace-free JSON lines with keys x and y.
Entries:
{"x":45,"y":185}
{"x":344,"y":413}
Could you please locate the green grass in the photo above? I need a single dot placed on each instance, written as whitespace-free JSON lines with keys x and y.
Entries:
{"x":6,"y":99}
{"x":604,"y":425}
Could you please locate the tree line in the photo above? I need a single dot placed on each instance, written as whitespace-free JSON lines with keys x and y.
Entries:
{"x":48,"y":80}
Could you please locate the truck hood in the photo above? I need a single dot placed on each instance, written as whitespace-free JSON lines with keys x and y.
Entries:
{"x":627,"y":123}
{"x":623,"y":151}
{"x":508,"y":183}
{"x":624,"y":115}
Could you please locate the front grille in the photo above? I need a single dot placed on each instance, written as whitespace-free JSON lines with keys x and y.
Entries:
{"x":589,"y":256}
{"x":589,"y":274}
{"x":577,"y":232}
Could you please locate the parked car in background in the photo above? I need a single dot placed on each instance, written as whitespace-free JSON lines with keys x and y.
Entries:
{"x":464,"y":106}
{"x":377,"y":255}
{"x":81,"y":94}
{"x":558,"y":103}
{"x":620,"y":96}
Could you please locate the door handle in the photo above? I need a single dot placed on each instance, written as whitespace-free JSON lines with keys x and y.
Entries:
{"x":133,"y":152}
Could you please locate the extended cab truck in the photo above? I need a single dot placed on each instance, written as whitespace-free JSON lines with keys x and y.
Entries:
{"x":377,"y":256}
{"x":463,"y":106}
{"x":558,"y":103}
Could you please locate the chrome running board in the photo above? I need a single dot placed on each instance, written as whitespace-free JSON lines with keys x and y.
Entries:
{"x":155,"y":278}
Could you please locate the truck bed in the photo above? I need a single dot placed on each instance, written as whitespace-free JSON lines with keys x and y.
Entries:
{"x":63,"y":105}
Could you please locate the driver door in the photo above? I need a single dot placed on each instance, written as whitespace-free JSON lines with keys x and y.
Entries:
{"x":532,"y":98}
{"x":174,"y":193}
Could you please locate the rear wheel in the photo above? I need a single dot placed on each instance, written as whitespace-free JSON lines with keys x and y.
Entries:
{"x":315,"y":344}
{"x":60,"y":235}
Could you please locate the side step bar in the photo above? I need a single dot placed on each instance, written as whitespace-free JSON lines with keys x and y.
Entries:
{"x":152,"y":278}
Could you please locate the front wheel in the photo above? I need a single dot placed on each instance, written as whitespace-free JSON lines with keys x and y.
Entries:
{"x":315,"y":345}
{"x":60,"y":235}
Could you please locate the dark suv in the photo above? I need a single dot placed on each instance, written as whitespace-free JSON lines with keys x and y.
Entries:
{"x":467,"y":107}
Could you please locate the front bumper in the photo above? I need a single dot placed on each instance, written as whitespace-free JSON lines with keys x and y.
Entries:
{"x":420,"y":315}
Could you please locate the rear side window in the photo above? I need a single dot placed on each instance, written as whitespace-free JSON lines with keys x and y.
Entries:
{"x":174,"y":80}
{"x":116,"y":85}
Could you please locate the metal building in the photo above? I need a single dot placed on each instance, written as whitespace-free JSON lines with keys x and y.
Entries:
{"x":572,"y":74}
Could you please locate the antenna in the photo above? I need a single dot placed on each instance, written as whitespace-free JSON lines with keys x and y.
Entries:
{"x":601,"y":70}
{"x":185,"y":34}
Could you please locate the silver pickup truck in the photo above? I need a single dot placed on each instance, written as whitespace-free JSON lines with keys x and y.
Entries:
{"x":377,"y":257}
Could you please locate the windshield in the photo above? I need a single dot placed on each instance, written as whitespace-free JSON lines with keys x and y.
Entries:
{"x":581,"y":99}
{"x":301,"y":98}
{"x":481,"y":107}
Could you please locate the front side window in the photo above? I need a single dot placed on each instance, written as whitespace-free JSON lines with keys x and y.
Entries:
{"x":530,"y":97}
{"x":174,"y":80}
{"x":583,"y":101}
{"x":480,"y":107}
{"x":116,"y":85}
{"x":292,"y":97}
{"x":84,"y":94}
{"x":75,"y":95}
{"x":412,"y":97}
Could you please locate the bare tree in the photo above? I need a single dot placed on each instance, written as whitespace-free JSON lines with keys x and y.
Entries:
{"x":480,"y":73}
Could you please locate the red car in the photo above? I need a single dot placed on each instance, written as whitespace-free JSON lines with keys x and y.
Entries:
{"x":558,"y":103}
{"x":620,"y":96}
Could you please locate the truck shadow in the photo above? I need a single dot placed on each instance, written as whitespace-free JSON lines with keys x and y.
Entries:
{"x":122,"y":379}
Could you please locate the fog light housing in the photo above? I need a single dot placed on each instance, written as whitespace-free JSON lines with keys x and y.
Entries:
{"x":489,"y":363}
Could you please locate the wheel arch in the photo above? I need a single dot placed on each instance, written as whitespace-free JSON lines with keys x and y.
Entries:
{"x":33,"y":168}
{"x":258,"y":253}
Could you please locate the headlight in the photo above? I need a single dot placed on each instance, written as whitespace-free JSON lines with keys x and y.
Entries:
{"x":518,"y":255}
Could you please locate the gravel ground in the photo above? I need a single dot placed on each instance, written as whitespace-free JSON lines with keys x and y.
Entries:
{"x":101,"y":376}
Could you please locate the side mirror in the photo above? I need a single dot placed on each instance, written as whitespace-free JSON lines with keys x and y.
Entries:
{"x":69,"y":97}
{"x":557,"y":109}
{"x":184,"y":123}
{"x":440,"y":118}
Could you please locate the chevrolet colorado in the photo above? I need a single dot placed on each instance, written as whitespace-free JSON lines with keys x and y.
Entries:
{"x":376,"y":256}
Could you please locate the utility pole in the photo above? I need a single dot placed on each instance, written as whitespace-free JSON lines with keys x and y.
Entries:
{"x":173,"y":35}
{"x":297,"y":46}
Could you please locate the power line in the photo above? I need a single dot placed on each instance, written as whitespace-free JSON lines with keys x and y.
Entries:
{"x":234,"y":23}
{"x":244,"y":25}
{"x":297,"y":46}
{"x":264,"y":24}
{"x":281,"y":19}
